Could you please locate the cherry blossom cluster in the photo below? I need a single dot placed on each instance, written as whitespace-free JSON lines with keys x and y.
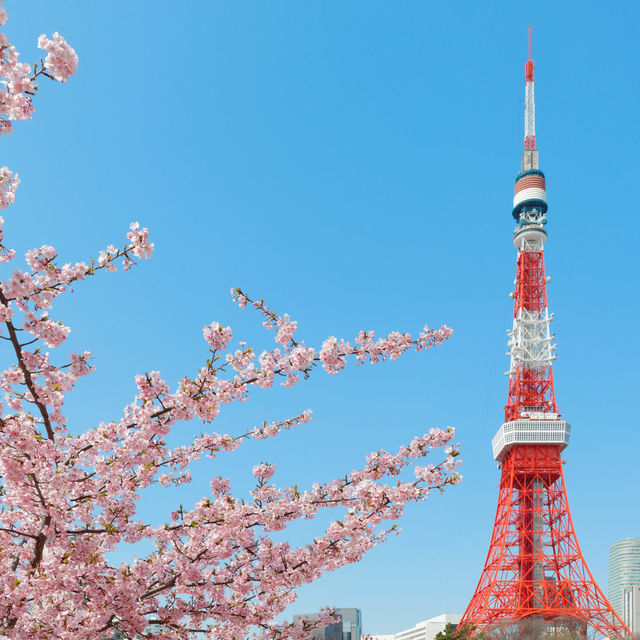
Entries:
{"x":19,"y":80}
{"x":8,"y":184}
{"x":61,"y":61}
{"x":215,"y":569}
{"x":295,"y":358}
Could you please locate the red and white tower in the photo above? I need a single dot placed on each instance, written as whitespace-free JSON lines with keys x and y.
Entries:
{"x":535,"y":582}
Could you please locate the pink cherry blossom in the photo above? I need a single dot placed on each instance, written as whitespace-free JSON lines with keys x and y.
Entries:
{"x":139,"y":238}
{"x":241,"y":301}
{"x":62,"y":60}
{"x":263,"y":470}
{"x":332,"y":354}
{"x":8,"y":184}
{"x":286,"y":329}
{"x":217,"y":336}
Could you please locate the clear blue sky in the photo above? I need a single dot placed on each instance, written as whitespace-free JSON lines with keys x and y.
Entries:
{"x":353,"y":163}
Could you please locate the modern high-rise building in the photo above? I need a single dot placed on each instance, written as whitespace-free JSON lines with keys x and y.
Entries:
{"x":349,"y":627}
{"x":331,"y":631}
{"x":624,"y":570}
{"x":631,"y":608}
{"x":351,"y":623}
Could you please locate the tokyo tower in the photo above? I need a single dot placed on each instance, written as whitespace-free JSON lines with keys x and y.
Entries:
{"x":535,"y":582}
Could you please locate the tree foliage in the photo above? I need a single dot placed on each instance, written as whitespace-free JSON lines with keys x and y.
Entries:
{"x":464,"y":631}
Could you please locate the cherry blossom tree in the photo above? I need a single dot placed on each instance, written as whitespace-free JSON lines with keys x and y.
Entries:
{"x":214,"y":570}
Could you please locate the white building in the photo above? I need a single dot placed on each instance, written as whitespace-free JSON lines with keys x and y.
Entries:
{"x":425,"y":630}
{"x":624,"y":570}
{"x":631,"y":608}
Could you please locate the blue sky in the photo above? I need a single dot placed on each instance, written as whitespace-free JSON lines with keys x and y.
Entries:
{"x":352,"y":163}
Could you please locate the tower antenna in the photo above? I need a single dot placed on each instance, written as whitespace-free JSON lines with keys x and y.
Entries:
{"x":529,"y":160}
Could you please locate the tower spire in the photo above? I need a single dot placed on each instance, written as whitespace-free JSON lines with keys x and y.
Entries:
{"x":530,"y":154}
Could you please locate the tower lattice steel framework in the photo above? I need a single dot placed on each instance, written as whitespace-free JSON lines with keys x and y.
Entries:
{"x":535,"y":581}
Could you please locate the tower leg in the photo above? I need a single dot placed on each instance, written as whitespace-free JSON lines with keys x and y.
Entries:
{"x":536,"y":583}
